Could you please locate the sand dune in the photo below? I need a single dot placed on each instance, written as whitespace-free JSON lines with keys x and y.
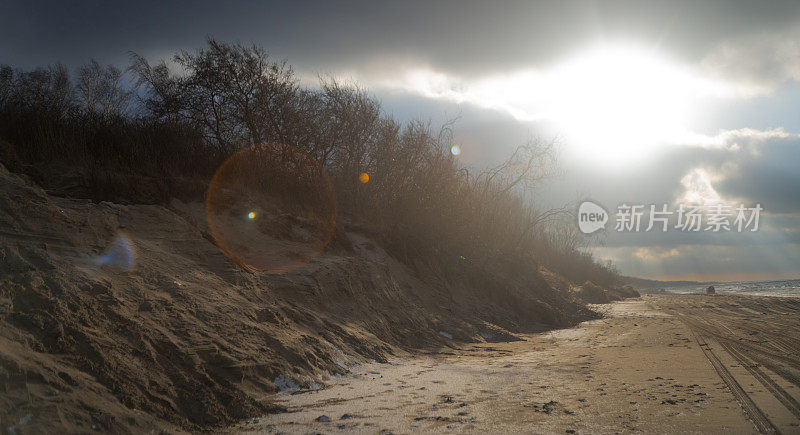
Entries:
{"x":129,"y":318}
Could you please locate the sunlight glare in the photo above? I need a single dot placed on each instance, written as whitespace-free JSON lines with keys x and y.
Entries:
{"x":612,"y":103}
{"x":617,"y":104}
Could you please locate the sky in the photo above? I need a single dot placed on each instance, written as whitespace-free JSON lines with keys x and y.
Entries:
{"x":660,"y":103}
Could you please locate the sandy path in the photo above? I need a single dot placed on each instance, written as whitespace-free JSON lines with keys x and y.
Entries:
{"x":639,"y":369}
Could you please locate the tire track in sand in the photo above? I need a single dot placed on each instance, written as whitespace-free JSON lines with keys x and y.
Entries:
{"x":753,"y":412}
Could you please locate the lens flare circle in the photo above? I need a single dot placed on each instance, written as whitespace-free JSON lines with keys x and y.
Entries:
{"x":363,"y":178}
{"x":271,"y":208}
{"x":456,"y":150}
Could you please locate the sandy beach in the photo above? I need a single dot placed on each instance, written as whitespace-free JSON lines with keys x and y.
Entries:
{"x":399,"y":217}
{"x":660,"y":363}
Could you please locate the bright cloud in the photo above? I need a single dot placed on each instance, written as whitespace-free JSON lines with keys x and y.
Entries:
{"x":698,"y":188}
{"x":740,"y":139}
{"x":651,"y":254}
{"x":613,"y":102}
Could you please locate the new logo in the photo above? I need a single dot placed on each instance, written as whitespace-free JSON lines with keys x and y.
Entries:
{"x":591,"y":217}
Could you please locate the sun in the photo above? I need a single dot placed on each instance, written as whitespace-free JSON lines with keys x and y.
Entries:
{"x":611,"y":102}
{"x":618,"y":103}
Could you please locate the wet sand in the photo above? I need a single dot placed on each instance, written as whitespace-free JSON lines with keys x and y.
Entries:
{"x":660,"y":363}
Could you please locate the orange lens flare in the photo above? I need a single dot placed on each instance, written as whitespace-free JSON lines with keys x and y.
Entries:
{"x":363,"y":178}
{"x":271,"y":208}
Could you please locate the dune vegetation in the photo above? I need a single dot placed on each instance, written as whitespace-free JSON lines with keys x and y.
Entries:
{"x":148,"y":134}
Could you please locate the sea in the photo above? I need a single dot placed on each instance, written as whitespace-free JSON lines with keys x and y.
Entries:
{"x":790,"y":287}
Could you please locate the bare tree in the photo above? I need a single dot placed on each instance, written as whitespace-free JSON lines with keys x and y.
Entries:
{"x":349,"y":123}
{"x":46,"y":90}
{"x":163,"y":97}
{"x":100,"y":90}
{"x":237,"y":92}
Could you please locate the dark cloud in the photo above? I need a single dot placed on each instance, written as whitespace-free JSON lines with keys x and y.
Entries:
{"x":771,"y":177}
{"x":464,"y":37}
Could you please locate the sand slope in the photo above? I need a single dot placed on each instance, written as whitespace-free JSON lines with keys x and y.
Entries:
{"x":190,"y":340}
